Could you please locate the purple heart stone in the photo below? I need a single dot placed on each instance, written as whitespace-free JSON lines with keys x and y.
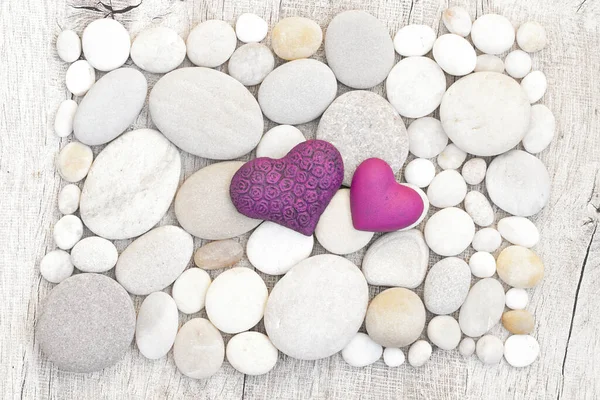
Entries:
{"x":292,"y":191}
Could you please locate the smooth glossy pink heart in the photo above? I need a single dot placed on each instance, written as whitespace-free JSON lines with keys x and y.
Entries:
{"x":379,"y":203}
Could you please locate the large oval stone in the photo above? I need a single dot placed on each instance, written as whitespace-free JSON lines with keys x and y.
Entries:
{"x":483,"y":307}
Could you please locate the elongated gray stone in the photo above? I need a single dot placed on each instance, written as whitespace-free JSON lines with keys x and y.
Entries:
{"x":483,"y":307}
{"x":447,"y":285}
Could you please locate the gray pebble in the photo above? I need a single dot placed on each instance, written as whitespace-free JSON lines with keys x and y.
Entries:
{"x":251,"y":63}
{"x":483,"y":307}
{"x":447,"y":285}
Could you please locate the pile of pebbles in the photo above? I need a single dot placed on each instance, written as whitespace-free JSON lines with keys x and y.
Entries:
{"x":318,"y":306}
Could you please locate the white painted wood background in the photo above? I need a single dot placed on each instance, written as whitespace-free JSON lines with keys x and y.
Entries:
{"x":565,"y":304}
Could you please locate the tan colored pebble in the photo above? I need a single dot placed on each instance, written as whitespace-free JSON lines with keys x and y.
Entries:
{"x":219,"y":254}
{"x":519,"y":322}
{"x":296,"y":37}
{"x":519,"y":267}
{"x":74,"y":161}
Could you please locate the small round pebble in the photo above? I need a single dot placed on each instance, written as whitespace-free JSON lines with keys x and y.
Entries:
{"x":278,"y":141}
{"x":447,"y":285}
{"x":454,"y":54}
{"x":449,"y":231}
{"x":68,"y":199}
{"x":479,"y":208}
{"x":517,"y":299}
{"x":531,"y":36}
{"x":490,"y":349}
{"x":487,"y":239}
{"x":251,"y":63}
{"x":541,"y":129}
{"x":451,"y":157}
{"x":156,"y":326}
{"x":106,"y":44}
{"x":74,"y":161}
{"x":80,"y":77}
{"x":218,"y":254}
{"x":94,"y":254}
{"x":158,"y":50}
{"x":419,"y":172}
{"x":414,"y":40}
{"x":211,"y":43}
{"x":296,"y":37}
{"x":466,"y":348}
{"x":250,"y":28}
{"x":56,"y":266}
{"x":517,"y":64}
{"x":393,"y":357}
{"x":361,"y":351}
{"x":493,"y":34}
{"x":68,"y":231}
{"x":426,"y":137}
{"x":519,"y":231}
{"x":519,"y":322}
{"x":534,"y":85}
{"x":419,"y":353}
{"x":63,"y":121}
{"x":236,"y":300}
{"x":444,"y":332}
{"x":482,"y":264}
{"x":447,"y":189}
{"x":199,"y":349}
{"x":68,"y":46}
{"x":521,"y":350}
{"x":189,"y":290}
{"x":488,"y":62}
{"x":251,"y":353}
{"x":519,"y":267}
{"x":473,"y":171}
{"x":457,"y":20}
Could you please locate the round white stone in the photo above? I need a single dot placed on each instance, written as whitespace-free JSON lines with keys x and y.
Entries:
{"x":482,"y":264}
{"x":415,"y":86}
{"x":444,"y":332}
{"x":479,"y":208}
{"x":361,"y":351}
{"x":68,"y":199}
{"x":466,"y":348}
{"x":421,"y":193}
{"x":541,"y":129}
{"x":419,"y":172}
{"x":80,"y":77}
{"x":211,"y":43}
{"x":335,"y":230}
{"x":158,"y":50}
{"x":94,"y":254}
{"x":393,"y":357}
{"x":521,"y":350}
{"x":447,"y":189}
{"x":251,"y":63}
{"x":74,"y":161}
{"x":426,"y":137}
{"x":449,"y":231}
{"x":517,"y":299}
{"x":531,"y":36}
{"x":451,"y":157}
{"x":457,"y":20}
{"x":489,"y":349}
{"x":250,"y":28}
{"x":517,"y":63}
{"x":482,"y":308}
{"x":199,"y":350}
{"x":68,"y":231}
{"x":68,"y":46}
{"x":492,"y":34}
{"x":156,"y":326}
{"x":189,"y":290}
{"x":63,"y":121}
{"x":519,"y":231}
{"x":419,"y":353}
{"x":454,"y":54}
{"x":236,"y":300}
{"x":487,"y":239}
{"x":56,"y":266}
{"x":414,"y":40}
{"x":106,"y":44}
{"x":488,"y":62}
{"x":278,"y":141}
{"x":251,"y":353}
{"x":534,"y":85}
{"x":473,"y":171}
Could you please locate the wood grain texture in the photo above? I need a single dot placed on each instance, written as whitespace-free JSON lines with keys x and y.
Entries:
{"x":565,"y":304}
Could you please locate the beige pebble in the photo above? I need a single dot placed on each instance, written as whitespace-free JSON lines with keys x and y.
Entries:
{"x":519,"y":267}
{"x":74,"y":161}
{"x":296,"y":37}
{"x":519,"y":322}
{"x":219,"y":254}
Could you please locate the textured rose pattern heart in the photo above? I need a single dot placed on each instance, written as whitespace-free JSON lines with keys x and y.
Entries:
{"x":292,"y":191}
{"x":379,"y":203}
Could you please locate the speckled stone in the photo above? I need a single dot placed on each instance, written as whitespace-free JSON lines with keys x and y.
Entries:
{"x":519,"y":267}
{"x":473,"y":171}
{"x":447,"y":285}
{"x":479,"y":208}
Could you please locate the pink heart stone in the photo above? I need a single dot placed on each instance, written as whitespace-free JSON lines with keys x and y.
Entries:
{"x":379,"y":203}
{"x":292,"y":191}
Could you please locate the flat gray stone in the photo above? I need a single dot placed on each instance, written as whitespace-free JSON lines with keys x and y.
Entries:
{"x":483,"y":307}
{"x":447,"y":285}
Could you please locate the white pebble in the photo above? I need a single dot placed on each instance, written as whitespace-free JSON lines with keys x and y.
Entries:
{"x":68,"y":231}
{"x":521,"y":350}
{"x":56,"y":266}
{"x":488,"y":62}
{"x":189,"y":290}
{"x":490,"y":349}
{"x":158,"y":50}
{"x":393,"y":357}
{"x":425,"y":205}
{"x":361,"y":351}
{"x":444,"y":332}
{"x":74,"y":161}
{"x":80,"y":77}
{"x":94,"y":254}
{"x":519,"y":231}
{"x":473,"y":171}
{"x":487,"y":239}
{"x":447,"y":189}
{"x":479,"y":208}
{"x":534,"y":85}
{"x":531,"y":36}
{"x":482,"y":264}
{"x":211,"y":43}
{"x":541,"y":129}
{"x":68,"y":199}
{"x":517,"y":299}
{"x":251,"y":353}
{"x":251,"y":63}
{"x":517,"y":63}
{"x":426,"y":137}
{"x":68,"y":46}
{"x":63,"y":121}
{"x":414,"y":40}
{"x":419,"y":172}
{"x":449,"y":231}
{"x":156,"y":326}
{"x":250,"y":28}
{"x":466,"y":348}
{"x":278,"y":141}
{"x":106,"y":44}
{"x":419,"y":353}
{"x":457,"y":20}
{"x":454,"y":54}
{"x":493,"y":34}
{"x":451,"y":157}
